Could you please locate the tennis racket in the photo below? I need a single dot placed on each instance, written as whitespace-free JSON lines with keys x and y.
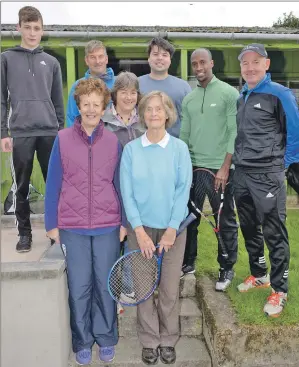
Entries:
{"x":134,"y":278}
{"x":207,"y":202}
{"x":292,"y":175}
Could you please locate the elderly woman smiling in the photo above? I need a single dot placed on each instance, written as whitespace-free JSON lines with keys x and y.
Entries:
{"x":155,"y":177}
{"x":83,"y":212}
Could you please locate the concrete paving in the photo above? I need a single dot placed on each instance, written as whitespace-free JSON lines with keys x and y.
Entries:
{"x":9,"y":239}
{"x":191,"y":352}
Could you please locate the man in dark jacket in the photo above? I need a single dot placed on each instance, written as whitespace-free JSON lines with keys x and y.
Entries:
{"x":31,"y":85}
{"x":267,"y":142}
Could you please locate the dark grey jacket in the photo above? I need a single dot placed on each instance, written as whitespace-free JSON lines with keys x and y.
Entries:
{"x":31,"y":84}
{"x":260,"y":145}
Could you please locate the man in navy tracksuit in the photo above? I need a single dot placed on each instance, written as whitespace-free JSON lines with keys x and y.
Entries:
{"x":267,"y":142}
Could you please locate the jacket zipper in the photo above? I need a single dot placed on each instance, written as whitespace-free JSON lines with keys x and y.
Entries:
{"x":203,"y":100}
{"x":129,"y":132}
{"x":90,"y":183}
{"x":241,"y":126}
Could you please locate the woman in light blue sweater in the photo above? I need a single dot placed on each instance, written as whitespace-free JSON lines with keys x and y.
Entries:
{"x":156,"y":175}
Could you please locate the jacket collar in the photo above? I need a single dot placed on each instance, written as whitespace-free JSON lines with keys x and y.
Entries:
{"x":266,"y":79}
{"x":213,"y":80}
{"x":97,"y":133}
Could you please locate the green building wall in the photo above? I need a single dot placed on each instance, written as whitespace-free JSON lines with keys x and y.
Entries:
{"x":131,"y":54}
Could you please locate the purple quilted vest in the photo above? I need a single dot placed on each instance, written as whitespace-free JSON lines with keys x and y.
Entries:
{"x":88,"y":198}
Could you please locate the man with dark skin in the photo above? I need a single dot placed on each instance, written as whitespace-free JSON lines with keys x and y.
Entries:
{"x":209,"y":129}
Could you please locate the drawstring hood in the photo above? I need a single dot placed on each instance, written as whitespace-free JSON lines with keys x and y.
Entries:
{"x":30,"y":63}
{"x":35,"y":93}
{"x":108,"y":77}
{"x":29,"y":54}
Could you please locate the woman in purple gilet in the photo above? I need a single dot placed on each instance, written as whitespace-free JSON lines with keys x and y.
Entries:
{"x":83,"y":213}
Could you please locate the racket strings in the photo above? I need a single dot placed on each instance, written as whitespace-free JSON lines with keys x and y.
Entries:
{"x":133,"y":278}
{"x":206,"y":198}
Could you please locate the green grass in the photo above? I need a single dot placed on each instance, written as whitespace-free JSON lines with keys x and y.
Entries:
{"x":249,"y":306}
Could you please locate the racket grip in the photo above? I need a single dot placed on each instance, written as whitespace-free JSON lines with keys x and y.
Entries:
{"x":222,"y":246}
{"x":191,"y":217}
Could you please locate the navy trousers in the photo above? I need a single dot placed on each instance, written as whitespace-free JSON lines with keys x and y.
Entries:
{"x":93,"y":315}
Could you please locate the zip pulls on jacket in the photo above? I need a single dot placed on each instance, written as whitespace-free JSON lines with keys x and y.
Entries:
{"x":204,"y":94}
{"x":90,"y":174}
{"x":203,"y":100}
{"x":90,"y":142}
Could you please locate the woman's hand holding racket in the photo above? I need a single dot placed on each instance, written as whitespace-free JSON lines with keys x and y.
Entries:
{"x":122,"y":233}
{"x":167,"y":240}
{"x":53,"y":234}
{"x":145,"y":243}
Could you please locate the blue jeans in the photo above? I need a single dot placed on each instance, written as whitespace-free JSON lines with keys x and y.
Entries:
{"x":92,"y":310}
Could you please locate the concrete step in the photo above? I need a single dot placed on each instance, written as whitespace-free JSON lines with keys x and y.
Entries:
{"x":188,"y":286}
{"x":191,"y":352}
{"x":9,"y":221}
{"x":190,"y":319}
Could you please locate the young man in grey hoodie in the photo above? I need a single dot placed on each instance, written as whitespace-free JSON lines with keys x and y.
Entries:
{"x":31,"y":86}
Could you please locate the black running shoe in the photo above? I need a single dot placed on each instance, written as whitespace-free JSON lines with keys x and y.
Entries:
{"x":187,"y":269}
{"x":24,"y":244}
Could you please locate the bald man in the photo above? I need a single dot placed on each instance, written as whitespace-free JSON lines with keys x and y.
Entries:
{"x":209,"y":129}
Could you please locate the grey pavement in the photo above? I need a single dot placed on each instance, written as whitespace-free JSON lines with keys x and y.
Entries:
{"x":9,"y":239}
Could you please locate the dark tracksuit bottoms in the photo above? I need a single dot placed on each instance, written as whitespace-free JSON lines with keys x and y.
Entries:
{"x":228,"y":227}
{"x":261,"y":203}
{"x":92,"y":310}
{"x":23,"y":152}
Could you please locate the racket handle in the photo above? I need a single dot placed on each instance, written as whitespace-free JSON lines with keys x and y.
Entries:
{"x":191,"y":217}
{"x":222,"y":246}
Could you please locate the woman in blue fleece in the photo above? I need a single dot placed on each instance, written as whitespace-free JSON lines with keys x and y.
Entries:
{"x":155,"y":178}
{"x":122,"y":118}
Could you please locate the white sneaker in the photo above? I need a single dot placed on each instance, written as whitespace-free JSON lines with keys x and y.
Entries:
{"x":253,"y":282}
{"x":127,"y":298}
{"x":225,"y":278}
{"x":275,"y":303}
{"x":120,"y":309}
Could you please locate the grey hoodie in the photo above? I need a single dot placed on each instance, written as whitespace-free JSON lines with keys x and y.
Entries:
{"x":31,"y":83}
{"x":125,"y":133}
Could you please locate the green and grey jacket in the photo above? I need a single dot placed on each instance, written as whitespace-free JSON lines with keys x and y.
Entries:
{"x":124,"y":132}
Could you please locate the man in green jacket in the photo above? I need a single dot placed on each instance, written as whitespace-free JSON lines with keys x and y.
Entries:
{"x":209,"y":129}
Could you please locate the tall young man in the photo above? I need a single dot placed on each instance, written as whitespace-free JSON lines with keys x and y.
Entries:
{"x":160,"y":53}
{"x":31,"y":84}
{"x":267,"y":142}
{"x":96,"y":59}
{"x":209,"y":129}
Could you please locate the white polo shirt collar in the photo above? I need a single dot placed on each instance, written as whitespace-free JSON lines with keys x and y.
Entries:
{"x":163,"y":142}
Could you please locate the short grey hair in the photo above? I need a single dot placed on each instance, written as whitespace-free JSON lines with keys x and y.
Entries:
{"x":167,"y":104}
{"x":94,"y":45}
{"x":125,"y":79}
